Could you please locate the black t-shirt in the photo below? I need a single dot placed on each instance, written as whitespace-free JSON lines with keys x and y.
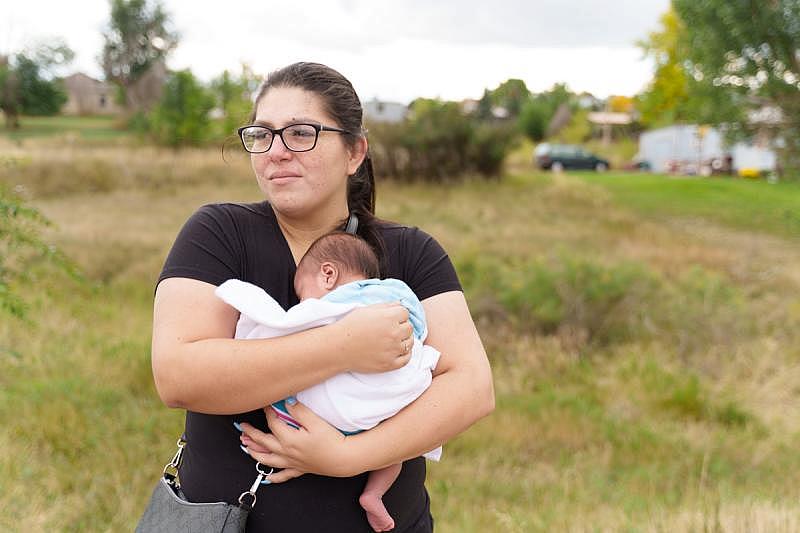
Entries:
{"x":243,"y":241}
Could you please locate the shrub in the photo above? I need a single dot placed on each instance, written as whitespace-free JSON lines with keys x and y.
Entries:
{"x":181,"y":117}
{"x":439,"y":142}
{"x":701,"y":308}
{"x":489,"y":146}
{"x":587,"y":302}
{"x":572,"y":297}
{"x":20,"y":248}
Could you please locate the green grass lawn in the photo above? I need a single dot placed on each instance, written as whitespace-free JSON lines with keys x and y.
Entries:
{"x":644,"y":334}
{"x":90,"y":128}
{"x":739,"y":203}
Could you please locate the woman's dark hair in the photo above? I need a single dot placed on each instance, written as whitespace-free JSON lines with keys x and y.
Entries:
{"x":341,"y":102}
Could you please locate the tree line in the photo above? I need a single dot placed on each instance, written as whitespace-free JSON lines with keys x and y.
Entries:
{"x":735,"y":65}
{"x":732,"y":64}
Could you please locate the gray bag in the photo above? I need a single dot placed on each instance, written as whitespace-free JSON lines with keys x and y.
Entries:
{"x":169,"y":510}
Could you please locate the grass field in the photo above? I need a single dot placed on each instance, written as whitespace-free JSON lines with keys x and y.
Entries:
{"x":739,"y":203}
{"x":644,"y":334}
{"x":69,"y":129}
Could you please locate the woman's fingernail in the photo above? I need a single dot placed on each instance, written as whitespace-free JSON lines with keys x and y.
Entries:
{"x":245,"y":450}
{"x":238,"y":426}
{"x":291,"y":400}
{"x":265,"y":481}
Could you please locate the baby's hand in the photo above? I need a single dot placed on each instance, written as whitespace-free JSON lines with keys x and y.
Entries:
{"x":377,"y":338}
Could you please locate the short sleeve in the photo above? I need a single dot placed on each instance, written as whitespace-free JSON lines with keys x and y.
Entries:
{"x":427,"y":268}
{"x":208,"y":248}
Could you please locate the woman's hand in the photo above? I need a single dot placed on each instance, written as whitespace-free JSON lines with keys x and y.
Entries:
{"x":317,"y":447}
{"x":378,"y":338}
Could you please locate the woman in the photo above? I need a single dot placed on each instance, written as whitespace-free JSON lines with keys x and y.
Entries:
{"x":309,"y":156}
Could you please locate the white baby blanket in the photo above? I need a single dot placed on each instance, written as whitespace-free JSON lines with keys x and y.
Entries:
{"x":350,"y":401}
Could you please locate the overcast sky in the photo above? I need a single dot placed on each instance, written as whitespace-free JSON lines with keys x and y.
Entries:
{"x":451,"y":49}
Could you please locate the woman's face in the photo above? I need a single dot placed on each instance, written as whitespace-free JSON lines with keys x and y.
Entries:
{"x":304,"y":184}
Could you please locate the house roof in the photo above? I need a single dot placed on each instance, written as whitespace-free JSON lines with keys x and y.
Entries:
{"x":607,"y":117}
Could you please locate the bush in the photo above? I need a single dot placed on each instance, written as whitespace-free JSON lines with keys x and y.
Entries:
{"x":181,"y":117}
{"x":20,"y":249}
{"x":581,"y":301}
{"x":489,"y":146}
{"x":439,"y":142}
{"x":585,"y":302}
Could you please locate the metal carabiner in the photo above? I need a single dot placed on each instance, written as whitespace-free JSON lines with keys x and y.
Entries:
{"x":171,"y":468}
{"x":252,"y":492}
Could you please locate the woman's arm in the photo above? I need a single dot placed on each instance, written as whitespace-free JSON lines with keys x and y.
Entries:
{"x":197,"y":365}
{"x":461,"y":393}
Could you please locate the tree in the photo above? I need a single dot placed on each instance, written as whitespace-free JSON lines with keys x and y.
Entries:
{"x":664,"y":101}
{"x":511,"y":95}
{"x":9,"y":93}
{"x":620,"y":104}
{"x":28,"y":81}
{"x":181,"y":117}
{"x":138,"y":39}
{"x":38,"y":96}
{"x":577,"y":128}
{"x":538,"y":111}
{"x":485,"y":105}
{"x":748,"y":50}
{"x":677,"y":92}
{"x":233,"y":97}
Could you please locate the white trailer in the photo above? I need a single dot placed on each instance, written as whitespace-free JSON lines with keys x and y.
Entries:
{"x":691,"y":148}
{"x":682,"y":146}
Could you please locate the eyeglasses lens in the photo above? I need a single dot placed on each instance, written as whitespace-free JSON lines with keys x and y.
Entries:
{"x":297,"y":137}
{"x":300,"y":137}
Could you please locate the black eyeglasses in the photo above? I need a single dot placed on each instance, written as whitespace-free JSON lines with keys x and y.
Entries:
{"x":295,"y":137}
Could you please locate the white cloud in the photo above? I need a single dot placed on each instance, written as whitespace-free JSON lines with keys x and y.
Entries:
{"x":393,"y":50}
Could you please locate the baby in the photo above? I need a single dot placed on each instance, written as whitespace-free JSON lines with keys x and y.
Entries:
{"x":339,"y":273}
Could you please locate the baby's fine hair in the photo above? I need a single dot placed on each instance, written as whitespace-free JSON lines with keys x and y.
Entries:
{"x":349,"y":252}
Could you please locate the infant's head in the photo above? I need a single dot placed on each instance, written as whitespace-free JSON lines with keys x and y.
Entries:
{"x":332,"y":260}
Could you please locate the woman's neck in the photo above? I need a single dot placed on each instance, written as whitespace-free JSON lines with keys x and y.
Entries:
{"x":301,"y":232}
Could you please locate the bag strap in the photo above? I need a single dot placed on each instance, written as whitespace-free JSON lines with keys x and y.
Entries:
{"x":171,"y":468}
{"x":171,"y":476}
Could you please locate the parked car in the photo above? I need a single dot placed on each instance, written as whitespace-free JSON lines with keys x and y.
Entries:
{"x":558,"y":157}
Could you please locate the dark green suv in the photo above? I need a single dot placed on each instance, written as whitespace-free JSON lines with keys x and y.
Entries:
{"x":559,"y":157}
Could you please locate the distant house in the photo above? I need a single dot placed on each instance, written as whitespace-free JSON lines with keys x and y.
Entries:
{"x":378,"y":111}
{"x":470,"y":106}
{"x":694,"y":149}
{"x":88,"y":96}
{"x":606,"y":119}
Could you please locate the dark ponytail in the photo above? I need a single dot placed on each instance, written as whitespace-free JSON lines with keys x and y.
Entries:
{"x":340,"y":100}
{"x":361,"y":202}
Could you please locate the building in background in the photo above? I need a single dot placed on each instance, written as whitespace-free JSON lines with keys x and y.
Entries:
{"x":693,"y":149}
{"x":605,"y":120}
{"x":88,"y":96}
{"x":378,"y":111}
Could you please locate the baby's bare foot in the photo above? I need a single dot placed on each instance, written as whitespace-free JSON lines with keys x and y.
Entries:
{"x":377,"y":515}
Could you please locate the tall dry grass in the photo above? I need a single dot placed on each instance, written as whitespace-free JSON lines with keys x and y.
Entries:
{"x":685,"y":419}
